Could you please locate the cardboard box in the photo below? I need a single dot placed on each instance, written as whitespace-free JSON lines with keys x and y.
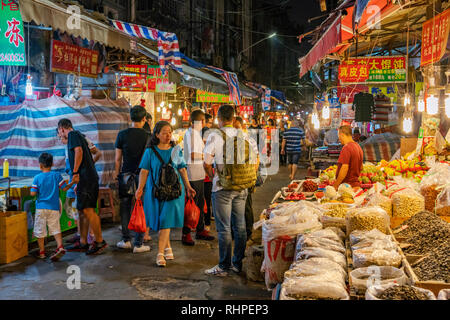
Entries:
{"x":407,"y":145}
{"x":13,"y":236}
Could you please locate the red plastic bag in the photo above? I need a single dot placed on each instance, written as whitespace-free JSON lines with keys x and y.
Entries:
{"x":137,"y":220}
{"x":191,"y":214}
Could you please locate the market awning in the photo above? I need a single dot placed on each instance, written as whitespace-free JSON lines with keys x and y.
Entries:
{"x":49,"y":14}
{"x":330,"y":39}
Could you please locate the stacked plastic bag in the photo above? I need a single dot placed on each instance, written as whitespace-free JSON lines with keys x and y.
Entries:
{"x":319,"y":270}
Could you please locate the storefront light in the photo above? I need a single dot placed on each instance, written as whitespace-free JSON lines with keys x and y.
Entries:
{"x":245,"y":115}
{"x":29,"y":86}
{"x":179,"y":112}
{"x":407,"y":100}
{"x":174,"y":121}
{"x":158,"y":109}
{"x":421,"y":105}
{"x":432,"y":105}
{"x":170,"y":106}
{"x":447,"y":105}
{"x":216,"y":121}
{"x":164,"y":110}
{"x":326,"y":112}
{"x":407,"y":124}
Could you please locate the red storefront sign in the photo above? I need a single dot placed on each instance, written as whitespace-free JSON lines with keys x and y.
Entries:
{"x":68,"y":58}
{"x":155,"y":76}
{"x":140,"y":78}
{"x":373,"y":70}
{"x":435,"y":34}
{"x":246,"y":109}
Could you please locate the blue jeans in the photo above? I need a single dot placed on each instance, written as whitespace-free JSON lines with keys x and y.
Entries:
{"x":229,"y":212}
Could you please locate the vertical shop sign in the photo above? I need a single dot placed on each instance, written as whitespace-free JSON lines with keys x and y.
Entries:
{"x":12,"y":37}
{"x":69,"y":58}
{"x":155,"y":76}
{"x":435,"y":34}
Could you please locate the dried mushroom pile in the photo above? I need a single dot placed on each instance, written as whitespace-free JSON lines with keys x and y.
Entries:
{"x":429,"y":236}
{"x":402,"y":293}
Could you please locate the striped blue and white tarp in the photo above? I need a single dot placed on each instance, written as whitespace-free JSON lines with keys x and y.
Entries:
{"x":28,"y":129}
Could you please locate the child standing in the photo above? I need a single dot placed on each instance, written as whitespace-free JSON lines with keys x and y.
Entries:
{"x":46,"y":186}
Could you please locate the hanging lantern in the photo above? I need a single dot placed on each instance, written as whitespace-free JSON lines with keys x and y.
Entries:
{"x":421,"y":105}
{"x":447,"y":106}
{"x":179,"y":112}
{"x":174,"y":121}
{"x":326,"y":112}
{"x":432,"y":105}
{"x":407,"y":100}
{"x":407,"y":123}
{"x":29,"y":86}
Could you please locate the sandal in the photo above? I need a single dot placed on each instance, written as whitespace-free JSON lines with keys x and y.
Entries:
{"x":168,"y":254}
{"x":160,"y":262}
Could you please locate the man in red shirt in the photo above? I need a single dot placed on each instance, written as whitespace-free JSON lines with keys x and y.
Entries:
{"x":350,"y":160}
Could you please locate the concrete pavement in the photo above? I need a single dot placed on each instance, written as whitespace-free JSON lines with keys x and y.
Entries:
{"x":120,"y":274}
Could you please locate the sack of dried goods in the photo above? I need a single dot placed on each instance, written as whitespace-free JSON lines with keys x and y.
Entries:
{"x":362,"y":278}
{"x":367,"y":218}
{"x":315,"y":266}
{"x":406,"y":203}
{"x":374,"y":234}
{"x":438,"y":175}
{"x":393,"y":291}
{"x":386,"y":244}
{"x":329,"y":233}
{"x":334,"y":215}
{"x":312,"y":288}
{"x":379,"y":257}
{"x":305,"y":241}
{"x":278,"y":256}
{"x":444,"y":294}
{"x":443,"y":202}
{"x":312,"y":252}
{"x":377,"y":199}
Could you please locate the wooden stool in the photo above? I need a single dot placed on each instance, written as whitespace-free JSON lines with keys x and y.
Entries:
{"x":106,"y":203}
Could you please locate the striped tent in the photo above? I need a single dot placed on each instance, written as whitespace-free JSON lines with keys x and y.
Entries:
{"x":380,"y":146}
{"x":28,"y":129}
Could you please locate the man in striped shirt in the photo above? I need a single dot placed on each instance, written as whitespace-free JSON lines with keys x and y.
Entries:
{"x":292,"y":145}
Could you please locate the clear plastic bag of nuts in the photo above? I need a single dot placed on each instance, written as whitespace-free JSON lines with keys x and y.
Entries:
{"x":443,"y":202}
{"x":406,"y":203}
{"x":367,"y":218}
{"x":437,"y":176}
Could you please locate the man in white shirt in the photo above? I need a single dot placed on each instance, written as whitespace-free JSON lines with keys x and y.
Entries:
{"x":193,"y":154}
{"x":228,"y":205}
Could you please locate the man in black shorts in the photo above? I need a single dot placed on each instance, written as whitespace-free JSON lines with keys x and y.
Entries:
{"x":86,"y":177}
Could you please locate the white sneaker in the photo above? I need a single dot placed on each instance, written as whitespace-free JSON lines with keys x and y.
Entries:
{"x":216,"y":271}
{"x":141,"y":249}
{"x":124,"y":245}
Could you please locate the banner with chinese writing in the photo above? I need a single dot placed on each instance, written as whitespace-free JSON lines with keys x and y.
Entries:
{"x":156,"y":76}
{"x":246,"y":109}
{"x":388,"y":91}
{"x":205,"y":96}
{"x":373,"y":70}
{"x":12,"y":37}
{"x":69,"y":58}
{"x":435,"y":34}
{"x":166,"y":87}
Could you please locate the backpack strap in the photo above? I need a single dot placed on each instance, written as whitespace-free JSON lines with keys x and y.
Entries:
{"x":224,"y":137}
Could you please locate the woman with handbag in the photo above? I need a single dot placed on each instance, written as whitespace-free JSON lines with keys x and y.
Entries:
{"x":162,"y":169}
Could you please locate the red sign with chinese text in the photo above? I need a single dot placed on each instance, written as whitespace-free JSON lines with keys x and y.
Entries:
{"x":246,"y":109}
{"x":373,"y":70}
{"x":68,"y":58}
{"x":434,"y":38}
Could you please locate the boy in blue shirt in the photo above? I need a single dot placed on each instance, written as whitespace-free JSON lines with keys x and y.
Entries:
{"x":46,"y":186}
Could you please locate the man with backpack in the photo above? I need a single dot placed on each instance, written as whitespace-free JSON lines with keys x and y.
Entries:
{"x":235,"y":161}
{"x":130,"y":146}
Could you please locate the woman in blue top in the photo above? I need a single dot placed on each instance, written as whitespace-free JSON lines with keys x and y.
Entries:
{"x":163,"y":215}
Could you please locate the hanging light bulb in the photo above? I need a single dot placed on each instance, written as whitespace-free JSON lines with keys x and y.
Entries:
{"x":326,"y":112}
{"x":164,"y":110}
{"x":447,"y":106}
{"x":315,"y":120}
{"x":407,"y":123}
{"x":158,"y":109}
{"x":432,"y":105}
{"x":245,"y":115}
{"x":174,"y":121}
{"x":161,"y":104}
{"x":216,"y":121}
{"x":179,"y":112}
{"x":421,"y":105}
{"x":170,"y":106}
{"x":29,"y":86}
{"x":407,"y":100}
